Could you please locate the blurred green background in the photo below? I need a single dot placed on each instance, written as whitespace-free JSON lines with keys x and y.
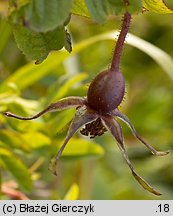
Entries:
{"x":89,"y":169}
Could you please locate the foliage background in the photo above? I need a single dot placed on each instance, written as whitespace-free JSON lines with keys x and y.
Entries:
{"x":27,"y":147}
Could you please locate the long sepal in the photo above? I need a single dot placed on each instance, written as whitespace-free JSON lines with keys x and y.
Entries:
{"x":82,"y":117}
{"x":124,"y":118}
{"x":65,"y":103}
{"x":113,"y":126}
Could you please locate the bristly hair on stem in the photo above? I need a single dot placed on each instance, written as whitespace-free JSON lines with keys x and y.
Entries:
{"x":120,"y":42}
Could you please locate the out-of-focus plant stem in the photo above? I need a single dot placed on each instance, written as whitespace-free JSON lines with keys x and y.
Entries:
{"x":86,"y":179}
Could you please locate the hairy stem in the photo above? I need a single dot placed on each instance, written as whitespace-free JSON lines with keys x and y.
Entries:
{"x":120,"y":42}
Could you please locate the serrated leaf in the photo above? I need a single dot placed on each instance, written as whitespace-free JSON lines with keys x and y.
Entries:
{"x":44,"y":15}
{"x":79,"y":8}
{"x":17,"y":168}
{"x":73,"y":193}
{"x":36,"y":46}
{"x":156,"y":6}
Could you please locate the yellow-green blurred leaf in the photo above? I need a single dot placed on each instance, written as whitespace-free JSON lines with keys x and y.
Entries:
{"x":160,"y":56}
{"x":65,"y":88}
{"x":29,"y":74}
{"x":156,"y":6}
{"x":73,"y":193}
{"x":14,"y":140}
{"x":5,"y":34}
{"x":17,"y":168}
{"x":36,"y":139}
{"x":81,"y":148}
{"x":79,"y":8}
{"x":60,"y":121}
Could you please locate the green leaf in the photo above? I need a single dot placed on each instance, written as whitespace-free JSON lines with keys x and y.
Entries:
{"x":79,"y":8}
{"x":17,"y":168}
{"x":18,"y":3}
{"x":5,"y":34}
{"x":97,"y":9}
{"x":16,"y":13}
{"x":160,"y":56}
{"x":29,"y":74}
{"x":8,"y":94}
{"x":36,"y":140}
{"x":100,"y":9}
{"x":80,"y":148}
{"x":156,"y":6}
{"x":77,"y":149}
{"x":36,"y":46}
{"x":63,"y":118}
{"x":14,"y":140}
{"x":24,"y":105}
{"x":73,"y":193}
{"x":133,"y":6}
{"x":46,"y":15}
{"x":65,"y":88}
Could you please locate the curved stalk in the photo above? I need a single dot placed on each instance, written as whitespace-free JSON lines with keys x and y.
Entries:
{"x":120,"y":42}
